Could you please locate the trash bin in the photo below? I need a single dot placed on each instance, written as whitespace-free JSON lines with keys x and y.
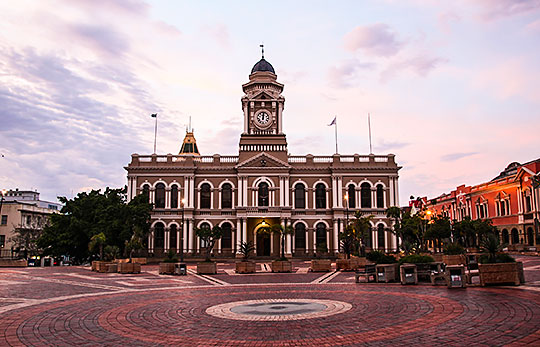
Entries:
{"x":180,"y":269}
{"x":456,"y":276}
{"x":408,"y":274}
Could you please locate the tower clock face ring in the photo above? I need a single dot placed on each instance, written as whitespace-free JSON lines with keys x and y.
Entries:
{"x":263,"y":119}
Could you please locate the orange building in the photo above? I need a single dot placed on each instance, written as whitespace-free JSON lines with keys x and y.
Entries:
{"x":511,"y":200}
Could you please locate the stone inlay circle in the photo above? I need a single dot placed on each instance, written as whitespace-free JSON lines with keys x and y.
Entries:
{"x":278,"y":309}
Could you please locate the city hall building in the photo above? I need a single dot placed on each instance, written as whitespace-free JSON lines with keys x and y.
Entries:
{"x":263,"y":185}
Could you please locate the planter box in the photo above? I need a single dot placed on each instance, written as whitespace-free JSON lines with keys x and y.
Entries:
{"x":101,"y":266}
{"x":350,"y":264}
{"x":245,"y":267}
{"x":424,"y":270}
{"x":281,"y":266}
{"x":129,"y":268}
{"x":321,"y":265}
{"x":13,"y":263}
{"x":166,"y":268}
{"x":456,"y":259}
{"x":206,"y":268}
{"x":387,"y":272}
{"x":141,"y":261}
{"x":408,"y":274}
{"x":498,"y":273}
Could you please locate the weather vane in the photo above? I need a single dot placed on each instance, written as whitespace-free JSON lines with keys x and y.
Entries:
{"x":262,"y":49}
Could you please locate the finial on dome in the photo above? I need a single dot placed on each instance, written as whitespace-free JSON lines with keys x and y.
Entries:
{"x":262,"y":49}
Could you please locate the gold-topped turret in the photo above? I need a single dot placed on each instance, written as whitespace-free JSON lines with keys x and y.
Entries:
{"x":189,"y":146}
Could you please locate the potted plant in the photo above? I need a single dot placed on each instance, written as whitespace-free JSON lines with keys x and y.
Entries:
{"x":321,"y":263}
{"x":208,"y":239}
{"x":387,"y":267}
{"x":245,"y":265}
{"x":167,"y":265}
{"x":425,"y":264}
{"x":282,"y":264}
{"x":454,"y":254}
{"x":134,"y":243}
{"x":495,"y":267}
{"x":97,"y":242}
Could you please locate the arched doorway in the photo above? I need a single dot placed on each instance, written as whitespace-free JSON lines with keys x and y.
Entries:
{"x":505,"y":236}
{"x":530,"y":236}
{"x":263,"y":244}
{"x":515,"y":236}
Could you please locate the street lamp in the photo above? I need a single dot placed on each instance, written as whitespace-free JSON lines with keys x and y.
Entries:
{"x":182,"y":202}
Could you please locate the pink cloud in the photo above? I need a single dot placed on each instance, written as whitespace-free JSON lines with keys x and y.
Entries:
{"x":494,"y":9}
{"x":377,"y":40}
{"x":422,"y":65}
{"x":343,"y":75}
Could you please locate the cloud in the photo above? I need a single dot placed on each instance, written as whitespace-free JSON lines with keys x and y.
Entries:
{"x":495,"y":9}
{"x":375,"y":40}
{"x":385,"y":146}
{"x":220,"y":34}
{"x":421,"y":65}
{"x":457,"y":156}
{"x":103,"y":39}
{"x":344,"y":75}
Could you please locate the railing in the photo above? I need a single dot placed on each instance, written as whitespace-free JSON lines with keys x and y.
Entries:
{"x":322,"y":159}
{"x":297,"y":159}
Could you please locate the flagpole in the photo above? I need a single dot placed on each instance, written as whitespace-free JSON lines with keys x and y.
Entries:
{"x":335,"y":129}
{"x":155,"y":132}
{"x":369,"y":127}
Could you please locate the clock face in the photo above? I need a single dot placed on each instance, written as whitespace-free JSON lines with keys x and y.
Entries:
{"x":263,"y":120}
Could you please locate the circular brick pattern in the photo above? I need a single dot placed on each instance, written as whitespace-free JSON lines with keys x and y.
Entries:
{"x":378,"y":314}
{"x":278,"y":309}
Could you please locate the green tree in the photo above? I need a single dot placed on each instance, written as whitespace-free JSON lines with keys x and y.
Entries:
{"x":97,"y":241}
{"x":209,"y":237}
{"x":89,"y":214}
{"x":396,"y":214}
{"x":362,"y":227}
{"x":350,"y":240}
{"x":439,"y":229}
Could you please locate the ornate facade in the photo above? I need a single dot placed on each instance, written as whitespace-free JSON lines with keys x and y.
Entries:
{"x":511,"y":200}
{"x":263,"y":185}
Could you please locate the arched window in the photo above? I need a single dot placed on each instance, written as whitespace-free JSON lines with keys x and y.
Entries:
{"x":505,"y":236}
{"x":205,"y":195}
{"x":159,"y":235}
{"x":351,"y":192}
{"x":380,"y":196}
{"x":226,"y":239}
{"x":320,"y":196}
{"x":300,"y":236}
{"x":226,"y":196}
{"x":365,"y":195}
{"x":146,"y":189}
{"x":263,"y":194}
{"x":202,"y":243}
{"x":380,"y":236}
{"x":174,"y":196}
{"x":320,"y":238}
{"x":299,"y":196}
{"x":503,"y":208}
{"x":515,"y":236}
{"x":160,"y":196}
{"x":172,"y":236}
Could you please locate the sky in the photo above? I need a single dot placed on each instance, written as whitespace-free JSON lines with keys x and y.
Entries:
{"x":452,"y":87}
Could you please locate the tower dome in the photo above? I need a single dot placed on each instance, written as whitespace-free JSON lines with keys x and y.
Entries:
{"x":263,"y":65}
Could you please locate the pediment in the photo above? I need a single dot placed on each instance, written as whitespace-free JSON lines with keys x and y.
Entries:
{"x":263,"y":160}
{"x":263,"y":95}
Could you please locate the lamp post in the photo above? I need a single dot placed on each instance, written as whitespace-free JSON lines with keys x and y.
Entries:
{"x":182,"y":202}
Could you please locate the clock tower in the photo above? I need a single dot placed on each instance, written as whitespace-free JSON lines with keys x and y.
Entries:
{"x":263,"y":108}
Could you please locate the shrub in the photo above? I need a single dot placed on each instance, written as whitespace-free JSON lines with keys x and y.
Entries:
{"x":171,"y":257}
{"x":416,"y":259}
{"x":379,"y":257}
{"x":499,"y":258}
{"x":454,"y":249}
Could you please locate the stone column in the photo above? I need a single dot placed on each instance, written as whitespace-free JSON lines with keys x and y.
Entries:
{"x":287,"y":191}
{"x":191,"y":236}
{"x":335,"y":237}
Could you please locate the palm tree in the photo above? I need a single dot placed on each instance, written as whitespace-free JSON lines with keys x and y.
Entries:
{"x":282,"y":231}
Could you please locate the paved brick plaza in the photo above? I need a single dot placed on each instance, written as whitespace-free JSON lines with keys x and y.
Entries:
{"x":63,"y":306}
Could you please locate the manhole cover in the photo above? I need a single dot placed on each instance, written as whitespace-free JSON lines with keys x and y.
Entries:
{"x":278,"y":309}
